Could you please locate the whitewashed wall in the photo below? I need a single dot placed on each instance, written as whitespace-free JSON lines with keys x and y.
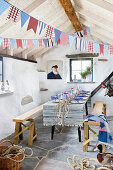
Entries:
{"x":101,"y":71}
{"x":24,"y":80}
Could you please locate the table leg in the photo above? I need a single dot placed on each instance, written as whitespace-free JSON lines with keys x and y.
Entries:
{"x":86,"y":109}
{"x":52,"y":131}
{"x":79,"y":133}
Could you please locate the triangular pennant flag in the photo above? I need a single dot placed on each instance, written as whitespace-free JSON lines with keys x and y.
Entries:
{"x":13,"y":41}
{"x":71,"y":40}
{"x":106,"y":47}
{"x":101,"y":49}
{"x":80,"y":44}
{"x":1,"y":39}
{"x":24,"y":43}
{"x":88,"y":30}
{"x":40,"y":43}
{"x":64,"y":39}
{"x":29,"y":44}
{"x":45,"y":42}
{"x":90,"y":47}
{"x":42,"y":26}
{"x":96,"y":47}
{"x":57,"y":34}
{"x":13,"y":13}
{"x":49,"y":32}
{"x":76,"y":43}
{"x":85,"y":32}
{"x":3,"y":6}
{"x":82,"y":32}
{"x":58,"y":42}
{"x":24,"y":18}
{"x":19,"y":43}
{"x":33,"y":23}
{"x":35,"y":42}
{"x":111,"y":49}
{"x":6,"y":43}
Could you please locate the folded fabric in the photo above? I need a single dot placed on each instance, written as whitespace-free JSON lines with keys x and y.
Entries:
{"x":104,"y":131}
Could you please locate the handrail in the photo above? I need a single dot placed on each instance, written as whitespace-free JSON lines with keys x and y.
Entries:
{"x":99,"y":87}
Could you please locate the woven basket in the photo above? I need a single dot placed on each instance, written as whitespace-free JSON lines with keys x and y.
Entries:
{"x":7,"y":163}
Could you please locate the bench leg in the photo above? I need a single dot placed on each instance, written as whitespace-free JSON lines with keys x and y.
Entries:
{"x":35,"y":133}
{"x":79,"y":133}
{"x":18,"y":128}
{"x":86,"y":108}
{"x":86,"y":135}
{"x":52,"y":131}
{"x":31,"y":132}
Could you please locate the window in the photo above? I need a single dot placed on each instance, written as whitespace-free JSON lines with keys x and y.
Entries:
{"x":1,"y":68}
{"x":78,"y":66}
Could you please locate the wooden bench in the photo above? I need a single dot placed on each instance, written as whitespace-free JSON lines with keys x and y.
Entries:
{"x":98,"y":108}
{"x":28,"y":116}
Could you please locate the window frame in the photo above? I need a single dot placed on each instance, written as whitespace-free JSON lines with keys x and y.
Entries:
{"x":75,"y":59}
{"x":1,"y":60}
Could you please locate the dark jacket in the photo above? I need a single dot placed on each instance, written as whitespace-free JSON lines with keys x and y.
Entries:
{"x":51,"y":75}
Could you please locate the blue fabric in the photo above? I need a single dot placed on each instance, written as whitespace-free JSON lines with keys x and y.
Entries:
{"x":71,"y":40}
{"x":3,"y":6}
{"x":13,"y":41}
{"x":24,"y":18}
{"x":57,"y":34}
{"x":104,"y":132}
{"x":51,"y":75}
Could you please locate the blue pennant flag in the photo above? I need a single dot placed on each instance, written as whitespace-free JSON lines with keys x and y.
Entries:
{"x":13,"y":41}
{"x":3,"y":6}
{"x":106,"y":47}
{"x":96,"y":47}
{"x":45,"y":42}
{"x":1,"y":39}
{"x":71,"y":40}
{"x":35,"y":43}
{"x":85,"y":44}
{"x":24,"y":43}
{"x":57,"y":34}
{"x":42,"y":26}
{"x":24,"y":18}
{"x":88,"y":30}
{"x":82,"y":32}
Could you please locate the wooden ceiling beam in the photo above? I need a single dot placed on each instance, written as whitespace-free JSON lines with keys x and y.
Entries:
{"x":70,"y":12}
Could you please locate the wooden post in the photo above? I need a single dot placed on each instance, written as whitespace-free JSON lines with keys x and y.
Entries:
{"x":31,"y":132}
{"x":86,"y":134}
{"x":104,"y":109}
{"x":17,"y":130}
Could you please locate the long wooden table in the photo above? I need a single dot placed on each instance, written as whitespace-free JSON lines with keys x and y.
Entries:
{"x":74,"y":117}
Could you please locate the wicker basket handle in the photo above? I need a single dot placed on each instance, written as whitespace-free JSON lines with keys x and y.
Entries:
{"x":7,"y":141}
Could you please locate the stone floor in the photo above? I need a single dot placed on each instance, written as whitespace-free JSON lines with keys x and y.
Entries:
{"x":52,"y":154}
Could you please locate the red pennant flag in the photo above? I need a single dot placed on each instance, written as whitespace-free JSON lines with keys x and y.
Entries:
{"x":19,"y":43}
{"x":13,"y":13}
{"x":90,"y":47}
{"x":64,"y":39}
{"x":40,"y":43}
{"x":29,"y":44}
{"x":85,"y":32}
{"x":58,"y":42}
{"x":101,"y":49}
{"x":49,"y":32}
{"x":33,"y":23}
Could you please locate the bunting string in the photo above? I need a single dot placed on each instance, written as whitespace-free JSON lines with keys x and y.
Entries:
{"x":52,"y":36}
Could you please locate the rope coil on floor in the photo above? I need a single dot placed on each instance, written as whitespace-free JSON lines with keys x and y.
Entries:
{"x":84,"y":163}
